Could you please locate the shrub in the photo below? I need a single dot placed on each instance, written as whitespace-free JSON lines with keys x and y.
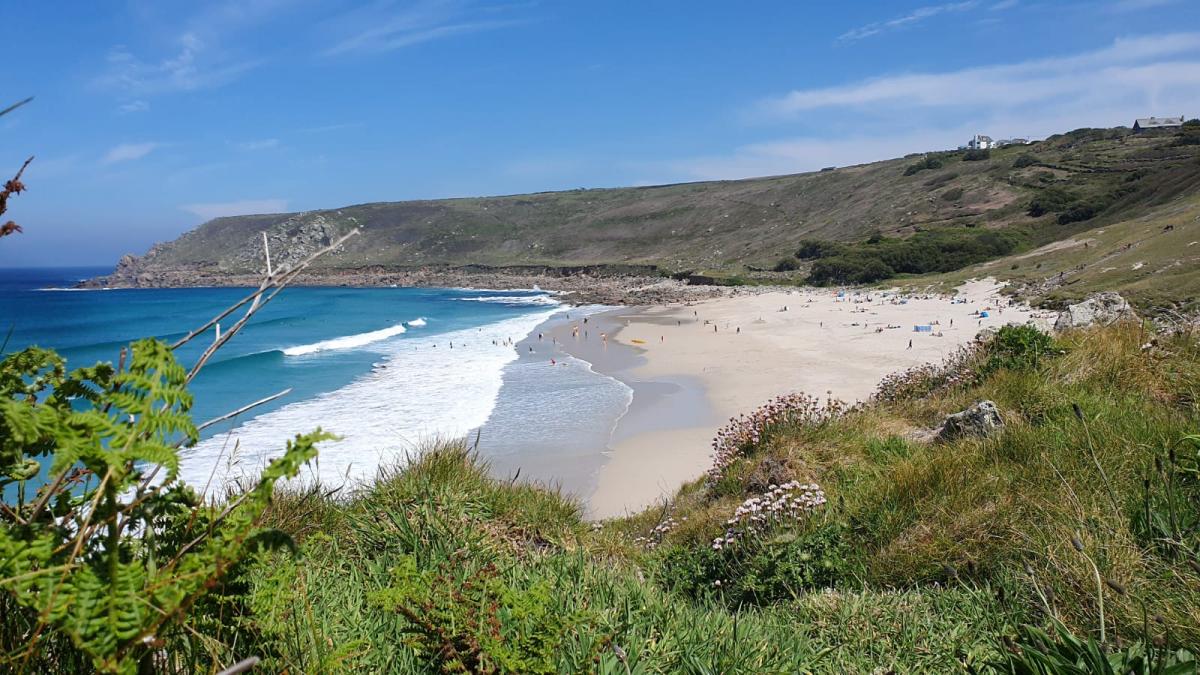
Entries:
{"x":977,"y":155}
{"x":928,"y":164}
{"x":788,"y":264}
{"x":1077,"y":213}
{"x":1017,"y":348}
{"x":1024,"y":160}
{"x":849,"y":270}
{"x":778,"y":565}
{"x":1051,"y":200}
{"x":952,"y":195}
{"x":811,"y":249}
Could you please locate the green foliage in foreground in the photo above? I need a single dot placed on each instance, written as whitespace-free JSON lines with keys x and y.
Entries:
{"x":1066,"y":542}
{"x":104,"y":565}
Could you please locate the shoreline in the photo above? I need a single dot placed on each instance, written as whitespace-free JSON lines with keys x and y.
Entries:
{"x":693,"y":365}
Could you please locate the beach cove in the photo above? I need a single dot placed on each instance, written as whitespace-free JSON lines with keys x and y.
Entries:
{"x":690,"y":366}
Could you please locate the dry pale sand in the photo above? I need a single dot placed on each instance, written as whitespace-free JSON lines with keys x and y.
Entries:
{"x":822,"y":344}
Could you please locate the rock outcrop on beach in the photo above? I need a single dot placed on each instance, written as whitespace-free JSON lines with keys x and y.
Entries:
{"x":981,"y":419}
{"x":1102,"y":308}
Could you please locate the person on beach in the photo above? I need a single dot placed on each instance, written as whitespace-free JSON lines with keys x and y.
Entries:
{"x":910,"y":343}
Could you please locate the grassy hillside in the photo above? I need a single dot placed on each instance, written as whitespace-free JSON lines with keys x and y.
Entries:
{"x":924,"y":557}
{"x":1034,"y":194}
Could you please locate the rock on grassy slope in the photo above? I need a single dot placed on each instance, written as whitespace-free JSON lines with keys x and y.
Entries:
{"x":921,"y":557}
{"x":1080,"y":181}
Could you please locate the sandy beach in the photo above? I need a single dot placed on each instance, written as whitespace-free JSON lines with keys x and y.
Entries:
{"x":692,"y":366}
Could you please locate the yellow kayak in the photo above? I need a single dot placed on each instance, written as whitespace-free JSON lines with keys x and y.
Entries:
{"x":638,"y":342}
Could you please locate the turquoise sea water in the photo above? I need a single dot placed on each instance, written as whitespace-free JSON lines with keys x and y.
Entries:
{"x":385,"y":368}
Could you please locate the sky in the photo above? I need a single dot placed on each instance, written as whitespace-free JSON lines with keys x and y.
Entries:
{"x":153,"y":116}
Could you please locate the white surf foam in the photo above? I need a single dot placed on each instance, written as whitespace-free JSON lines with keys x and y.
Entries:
{"x":351,"y":341}
{"x":517,"y":300}
{"x":419,"y":392}
{"x":417,"y":322}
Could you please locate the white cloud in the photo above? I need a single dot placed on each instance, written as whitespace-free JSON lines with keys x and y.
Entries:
{"x":193,"y":66}
{"x":908,"y":20}
{"x":381,"y":29}
{"x":129,"y":151}
{"x":894,"y":115}
{"x":1091,"y":75}
{"x":200,"y":56}
{"x":137,"y":105}
{"x":1139,"y":5}
{"x":236,"y":208}
{"x":261,"y":144}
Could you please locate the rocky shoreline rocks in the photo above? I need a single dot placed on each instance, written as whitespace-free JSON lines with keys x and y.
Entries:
{"x":580,"y":289}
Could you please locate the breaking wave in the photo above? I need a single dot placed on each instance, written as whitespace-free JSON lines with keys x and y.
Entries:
{"x":351,"y":341}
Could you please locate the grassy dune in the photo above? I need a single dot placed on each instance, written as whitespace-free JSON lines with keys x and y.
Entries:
{"x":926,"y":556}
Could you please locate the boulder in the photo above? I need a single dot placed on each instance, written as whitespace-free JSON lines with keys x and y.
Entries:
{"x":981,"y":419}
{"x":1100,"y":309}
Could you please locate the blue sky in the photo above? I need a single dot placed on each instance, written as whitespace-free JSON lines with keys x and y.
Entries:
{"x":153,"y":116}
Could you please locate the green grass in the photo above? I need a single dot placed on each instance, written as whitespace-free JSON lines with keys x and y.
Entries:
{"x":945,"y":549}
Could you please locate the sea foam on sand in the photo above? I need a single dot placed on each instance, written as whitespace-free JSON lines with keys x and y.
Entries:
{"x":423,"y":390}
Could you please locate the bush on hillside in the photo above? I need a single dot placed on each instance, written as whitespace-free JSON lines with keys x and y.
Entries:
{"x":1024,"y":160}
{"x":928,"y":164}
{"x":1051,"y":200}
{"x":779,"y":566}
{"x":952,"y":195}
{"x":788,"y":264}
{"x":977,"y":155}
{"x":1018,"y":348}
{"x":923,"y":253}
{"x":811,"y":249}
{"x":849,"y":269}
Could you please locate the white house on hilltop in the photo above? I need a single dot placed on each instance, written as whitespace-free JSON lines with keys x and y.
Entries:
{"x":981,"y":142}
{"x":1147,"y":123}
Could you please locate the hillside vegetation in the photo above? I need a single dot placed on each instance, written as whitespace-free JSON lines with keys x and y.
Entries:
{"x":1029,"y":196}
{"x":904,"y":554}
{"x":823,"y":540}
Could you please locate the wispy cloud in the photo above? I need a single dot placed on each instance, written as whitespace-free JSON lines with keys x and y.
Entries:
{"x":126,"y":152}
{"x":211,"y":210}
{"x":320,"y":129}
{"x":1139,"y":5}
{"x":137,"y":105}
{"x":193,"y":66}
{"x":1124,"y":67}
{"x":199,"y":57}
{"x":893,"y":115}
{"x":383,"y":28}
{"x":261,"y":144}
{"x":909,"y":20}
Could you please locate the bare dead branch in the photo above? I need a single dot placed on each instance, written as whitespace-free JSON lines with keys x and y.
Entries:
{"x":243,"y":409}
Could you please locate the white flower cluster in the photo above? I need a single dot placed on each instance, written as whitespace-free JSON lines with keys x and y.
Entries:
{"x":791,"y":501}
{"x":656,"y":535}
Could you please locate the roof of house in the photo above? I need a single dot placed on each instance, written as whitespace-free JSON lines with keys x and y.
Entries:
{"x":1147,"y":122}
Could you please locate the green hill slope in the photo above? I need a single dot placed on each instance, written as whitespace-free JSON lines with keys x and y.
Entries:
{"x":1034,"y":195}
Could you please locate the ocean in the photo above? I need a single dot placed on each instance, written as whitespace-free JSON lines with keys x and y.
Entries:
{"x":386,"y":369}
